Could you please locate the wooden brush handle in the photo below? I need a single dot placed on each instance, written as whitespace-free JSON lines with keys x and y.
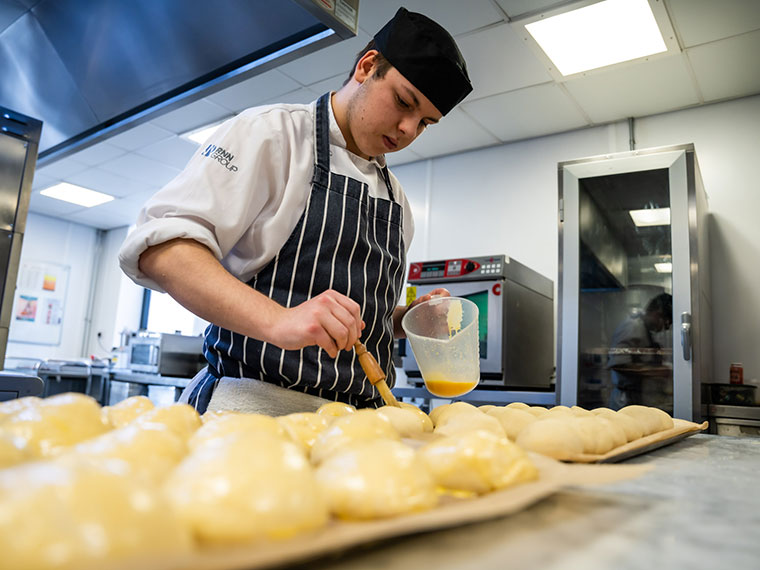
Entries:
{"x":375,"y":374}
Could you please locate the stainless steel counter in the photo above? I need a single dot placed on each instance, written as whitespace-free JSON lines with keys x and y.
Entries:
{"x":699,"y":508}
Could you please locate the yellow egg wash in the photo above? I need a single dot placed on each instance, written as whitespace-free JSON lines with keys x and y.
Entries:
{"x":454,"y":317}
{"x":438,"y":384}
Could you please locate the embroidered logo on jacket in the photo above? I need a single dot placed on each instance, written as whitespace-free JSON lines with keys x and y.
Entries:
{"x":221,"y":156}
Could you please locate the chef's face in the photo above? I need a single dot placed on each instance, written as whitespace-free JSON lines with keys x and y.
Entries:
{"x":386,"y":114}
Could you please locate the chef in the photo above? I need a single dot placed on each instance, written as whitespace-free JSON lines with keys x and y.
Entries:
{"x":288,"y":233}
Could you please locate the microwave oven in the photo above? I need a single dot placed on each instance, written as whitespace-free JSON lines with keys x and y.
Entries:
{"x":166,"y":354}
{"x":515,"y":317}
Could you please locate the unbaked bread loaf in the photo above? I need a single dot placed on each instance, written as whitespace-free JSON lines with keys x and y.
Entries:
{"x":363,"y":425}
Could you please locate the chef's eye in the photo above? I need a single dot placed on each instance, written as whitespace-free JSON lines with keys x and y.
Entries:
{"x":403,"y":104}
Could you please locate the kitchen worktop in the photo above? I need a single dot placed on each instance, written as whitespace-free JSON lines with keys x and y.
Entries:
{"x":698,"y":508}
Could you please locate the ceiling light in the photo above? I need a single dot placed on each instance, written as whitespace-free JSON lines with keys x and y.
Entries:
{"x":651,"y":217}
{"x":76,"y":195}
{"x":200,"y":135}
{"x":663,"y":267}
{"x":598,"y":35}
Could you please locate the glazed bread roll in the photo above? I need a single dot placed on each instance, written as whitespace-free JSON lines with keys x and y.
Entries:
{"x":72,"y":513}
{"x":538,"y":411}
{"x":223,"y":426}
{"x":477,"y":462}
{"x":7,"y":409}
{"x":512,"y":420}
{"x":468,"y":421}
{"x":406,"y":422}
{"x":124,"y":412}
{"x":555,"y":437}
{"x":630,"y":425}
{"x":13,"y":450}
{"x":304,"y":427}
{"x":246,"y":487}
{"x":376,"y":478}
{"x":182,"y":419}
{"x":335,"y":409}
{"x":652,"y":420}
{"x":441,"y":412}
{"x":362,"y":425}
{"x":53,"y":424}
{"x":518,"y":405}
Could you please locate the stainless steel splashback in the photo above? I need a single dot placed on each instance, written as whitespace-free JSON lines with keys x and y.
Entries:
{"x":19,"y":140}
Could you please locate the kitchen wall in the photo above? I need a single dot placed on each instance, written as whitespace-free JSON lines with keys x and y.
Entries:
{"x":504,"y":200}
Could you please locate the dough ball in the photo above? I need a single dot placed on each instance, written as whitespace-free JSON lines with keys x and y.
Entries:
{"x":10,"y":407}
{"x":485,"y":409}
{"x":555,"y":437}
{"x":182,"y":419}
{"x":374,"y":479}
{"x":652,"y":420}
{"x":595,"y":435}
{"x":538,"y":411}
{"x":631,"y":427}
{"x":439,"y":413}
{"x":615,"y":430}
{"x":468,"y":421}
{"x":210,"y":416}
{"x":518,"y":405}
{"x":55,"y":423}
{"x":581,"y":412}
{"x":428,"y":423}
{"x":122,"y":413}
{"x":304,"y":427}
{"x":477,"y":462}
{"x":364,"y":424}
{"x":223,"y":426}
{"x":71,"y":513}
{"x":558,"y":411}
{"x":513,"y":420}
{"x":406,"y":422}
{"x":335,"y":409}
{"x":13,"y":450}
{"x":151,"y":451}
{"x":246,"y":487}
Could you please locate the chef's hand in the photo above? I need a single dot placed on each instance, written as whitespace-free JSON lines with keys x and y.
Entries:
{"x":330,"y":320}
{"x":399,"y":313}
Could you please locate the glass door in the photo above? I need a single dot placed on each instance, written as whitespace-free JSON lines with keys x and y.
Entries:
{"x":624,"y":274}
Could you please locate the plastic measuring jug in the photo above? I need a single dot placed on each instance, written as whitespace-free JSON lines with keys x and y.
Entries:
{"x":443,"y":334}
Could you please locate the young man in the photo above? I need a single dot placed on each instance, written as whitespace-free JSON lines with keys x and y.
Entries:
{"x":288,"y":232}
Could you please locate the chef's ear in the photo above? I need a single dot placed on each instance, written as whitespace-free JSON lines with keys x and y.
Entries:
{"x":366,"y":66}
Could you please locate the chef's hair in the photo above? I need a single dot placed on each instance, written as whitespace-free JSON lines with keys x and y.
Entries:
{"x":382,"y":65}
{"x":662,"y":303}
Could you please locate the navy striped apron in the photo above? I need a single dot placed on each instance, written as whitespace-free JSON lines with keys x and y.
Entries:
{"x":345,"y":240}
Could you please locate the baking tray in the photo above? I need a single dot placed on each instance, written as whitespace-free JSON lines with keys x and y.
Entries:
{"x":680,"y":430}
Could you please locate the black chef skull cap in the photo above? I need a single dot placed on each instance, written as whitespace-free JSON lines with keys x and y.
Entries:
{"x":427,"y":56}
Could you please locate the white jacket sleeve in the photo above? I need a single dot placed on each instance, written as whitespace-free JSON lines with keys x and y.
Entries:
{"x":216,"y":199}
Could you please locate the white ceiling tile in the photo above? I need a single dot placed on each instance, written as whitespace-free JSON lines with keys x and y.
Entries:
{"x":40,"y":181}
{"x":297,"y":97}
{"x":99,"y":220}
{"x":141,"y":135}
{"x":327,"y":62}
{"x":635,"y":90}
{"x":516,"y":8}
{"x":530,"y":112}
{"x":331,"y":84}
{"x":456,"y":16}
{"x":718,"y":79}
{"x":701,"y":21}
{"x":62,"y":168}
{"x":108,"y":183}
{"x":254,"y":91}
{"x":191,"y":116}
{"x":455,"y":132}
{"x":98,"y":154}
{"x":40,"y":204}
{"x":136,"y":167}
{"x":498,"y":60}
{"x":175,"y":151}
{"x":402,"y":157}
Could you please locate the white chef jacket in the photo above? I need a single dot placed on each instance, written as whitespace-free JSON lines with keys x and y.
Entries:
{"x":242,"y":194}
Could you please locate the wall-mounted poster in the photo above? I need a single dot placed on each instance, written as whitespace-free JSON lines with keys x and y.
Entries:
{"x":39,"y":302}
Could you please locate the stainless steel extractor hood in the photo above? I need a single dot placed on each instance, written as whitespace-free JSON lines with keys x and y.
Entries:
{"x":92,"y":68}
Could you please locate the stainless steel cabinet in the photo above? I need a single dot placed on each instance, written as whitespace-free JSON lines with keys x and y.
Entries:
{"x":634,"y":292}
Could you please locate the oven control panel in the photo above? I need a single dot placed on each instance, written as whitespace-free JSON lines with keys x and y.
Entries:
{"x":459,"y":269}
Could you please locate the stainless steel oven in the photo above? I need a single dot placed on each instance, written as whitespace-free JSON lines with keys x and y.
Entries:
{"x":166,"y":354}
{"x":516,"y":320}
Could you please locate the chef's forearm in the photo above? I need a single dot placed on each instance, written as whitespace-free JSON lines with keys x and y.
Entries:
{"x":190,"y":273}
{"x":398,"y":314}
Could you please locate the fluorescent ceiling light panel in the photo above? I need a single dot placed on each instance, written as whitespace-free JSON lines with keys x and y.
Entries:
{"x":199,"y":136}
{"x":601,"y":34}
{"x":651,"y":217}
{"x":663,"y":267}
{"x":76,"y":195}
